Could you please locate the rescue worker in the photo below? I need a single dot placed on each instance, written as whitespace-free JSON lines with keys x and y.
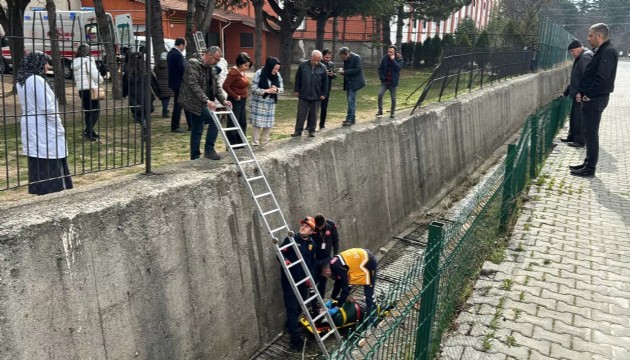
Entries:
{"x":306,"y":245}
{"x":326,"y":240}
{"x":352,"y":267}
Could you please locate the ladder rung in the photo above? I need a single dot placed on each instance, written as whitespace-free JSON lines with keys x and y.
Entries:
{"x":255,"y":178}
{"x":301,"y":281}
{"x":221,"y":112}
{"x":285,"y":246}
{"x":270,"y":212}
{"x":261,"y":195}
{"x":316,"y":318}
{"x":311,"y":298}
{"x":330,"y":333}
{"x":278,"y":229}
{"x":238,"y":146}
{"x":247,"y":162}
{"x":296,"y":262}
{"x":230,"y":129}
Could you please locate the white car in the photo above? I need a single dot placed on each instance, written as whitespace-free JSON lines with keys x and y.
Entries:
{"x":141,"y":42}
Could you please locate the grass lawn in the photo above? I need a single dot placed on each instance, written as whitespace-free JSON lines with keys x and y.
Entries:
{"x":119,"y":147}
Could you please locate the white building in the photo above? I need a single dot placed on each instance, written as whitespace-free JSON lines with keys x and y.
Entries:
{"x":419,"y":30}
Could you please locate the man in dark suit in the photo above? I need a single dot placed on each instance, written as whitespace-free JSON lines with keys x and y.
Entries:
{"x":353,"y":81}
{"x":598,"y":81}
{"x":176,"y":65}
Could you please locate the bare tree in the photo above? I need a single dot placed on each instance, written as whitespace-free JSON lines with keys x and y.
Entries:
{"x":258,"y":29}
{"x":12,"y":20}
{"x":157,"y":32}
{"x":107,"y":42}
{"x":60,"y":84}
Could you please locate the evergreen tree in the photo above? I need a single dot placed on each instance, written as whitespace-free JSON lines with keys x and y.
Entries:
{"x":427,"y":47}
{"x":436,"y":51}
{"x":418,"y":54}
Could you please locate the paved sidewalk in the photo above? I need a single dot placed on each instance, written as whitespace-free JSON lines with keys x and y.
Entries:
{"x":563,"y":290}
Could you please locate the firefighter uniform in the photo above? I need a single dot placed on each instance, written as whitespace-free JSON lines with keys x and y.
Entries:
{"x":307,"y":249}
{"x":327,"y":245}
{"x":354,"y":267}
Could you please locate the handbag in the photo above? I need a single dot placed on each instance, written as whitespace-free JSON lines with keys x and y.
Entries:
{"x":95,"y":93}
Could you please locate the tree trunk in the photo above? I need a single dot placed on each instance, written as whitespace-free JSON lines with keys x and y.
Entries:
{"x":286,"y":53}
{"x":60,"y":84}
{"x":387,"y":33}
{"x":190,"y":28}
{"x":13,"y":25}
{"x":104,"y":26}
{"x":322,"y":18}
{"x":258,"y":32}
{"x":203,"y":14}
{"x":157,"y":31}
{"x":335,"y":35}
{"x":399,"y":27}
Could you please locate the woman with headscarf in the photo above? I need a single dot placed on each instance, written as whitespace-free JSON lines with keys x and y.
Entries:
{"x":87,"y":77}
{"x":266,"y":86}
{"x":43,"y":134}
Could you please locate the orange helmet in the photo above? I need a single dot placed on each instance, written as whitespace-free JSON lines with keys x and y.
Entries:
{"x":308,"y":221}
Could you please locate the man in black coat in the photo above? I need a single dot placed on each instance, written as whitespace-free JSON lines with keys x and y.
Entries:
{"x":327,"y":55}
{"x":582,"y":57}
{"x":311,"y":86}
{"x":176,"y":65}
{"x":353,"y":81}
{"x":596,"y":85}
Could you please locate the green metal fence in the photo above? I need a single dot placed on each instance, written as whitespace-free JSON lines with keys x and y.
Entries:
{"x":553,"y":40}
{"x":425,"y":301}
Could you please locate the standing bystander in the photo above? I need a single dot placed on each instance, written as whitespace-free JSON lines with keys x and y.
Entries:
{"x":236,"y":86}
{"x":200,"y":88}
{"x":327,"y":55}
{"x":176,"y":65}
{"x":311,"y":86}
{"x":582,"y":57}
{"x":266,"y":86}
{"x":353,"y":81}
{"x":389,"y":73}
{"x":161,"y":74}
{"x":598,"y":81}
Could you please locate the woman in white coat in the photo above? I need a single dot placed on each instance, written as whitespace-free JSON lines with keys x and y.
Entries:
{"x":87,"y":77}
{"x":43,"y":134}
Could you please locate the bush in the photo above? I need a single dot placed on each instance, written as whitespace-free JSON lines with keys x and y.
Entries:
{"x":428,"y":49}
{"x":418,"y":55}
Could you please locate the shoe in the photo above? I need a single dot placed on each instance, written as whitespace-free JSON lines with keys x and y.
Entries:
{"x":89,"y":137}
{"x":296,"y":134}
{"x":575,"y":145}
{"x":577,"y":167}
{"x":584,"y":172}
{"x":345,"y":123}
{"x":212,"y":156}
{"x":321,"y":127}
{"x":379,"y":113}
{"x":392,"y":116}
{"x":311,"y":134}
{"x":165,"y":116}
{"x":566,"y":139}
{"x":95,"y":135}
{"x":178,"y":130}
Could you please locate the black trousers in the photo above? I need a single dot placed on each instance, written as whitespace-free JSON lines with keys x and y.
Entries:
{"x":323,"y":112}
{"x":592,"y":115}
{"x":239,"y":109}
{"x":91,"y":111}
{"x":292,"y":306}
{"x":307,"y":110}
{"x":177,"y":112}
{"x":575,"y":123}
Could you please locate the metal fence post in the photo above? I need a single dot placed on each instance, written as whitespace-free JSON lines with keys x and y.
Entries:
{"x":428,"y":300}
{"x":506,"y":204}
{"x":533,"y":167}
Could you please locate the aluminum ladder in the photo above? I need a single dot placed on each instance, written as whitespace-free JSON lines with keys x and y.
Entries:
{"x":273,"y":218}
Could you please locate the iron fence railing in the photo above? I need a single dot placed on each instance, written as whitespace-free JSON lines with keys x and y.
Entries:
{"x":465,"y":69}
{"x":427,"y":297}
{"x":121,"y":137}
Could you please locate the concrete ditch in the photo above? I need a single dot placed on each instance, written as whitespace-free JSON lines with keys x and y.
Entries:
{"x":177,"y":266}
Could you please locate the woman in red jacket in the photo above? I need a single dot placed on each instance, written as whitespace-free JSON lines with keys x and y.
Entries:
{"x":236,"y":85}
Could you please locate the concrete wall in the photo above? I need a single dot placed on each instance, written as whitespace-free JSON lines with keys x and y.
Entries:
{"x":176,"y":266}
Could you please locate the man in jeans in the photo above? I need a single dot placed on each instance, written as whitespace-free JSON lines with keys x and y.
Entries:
{"x":389,"y":73}
{"x":353,"y":81}
{"x":598,"y":81}
{"x":176,"y":64}
{"x":199,"y":89}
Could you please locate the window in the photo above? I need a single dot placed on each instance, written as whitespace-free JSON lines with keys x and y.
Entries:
{"x":247,"y":40}
{"x":91,"y":33}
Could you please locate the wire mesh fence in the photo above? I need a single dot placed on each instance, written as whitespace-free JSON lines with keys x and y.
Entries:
{"x":426,"y":298}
